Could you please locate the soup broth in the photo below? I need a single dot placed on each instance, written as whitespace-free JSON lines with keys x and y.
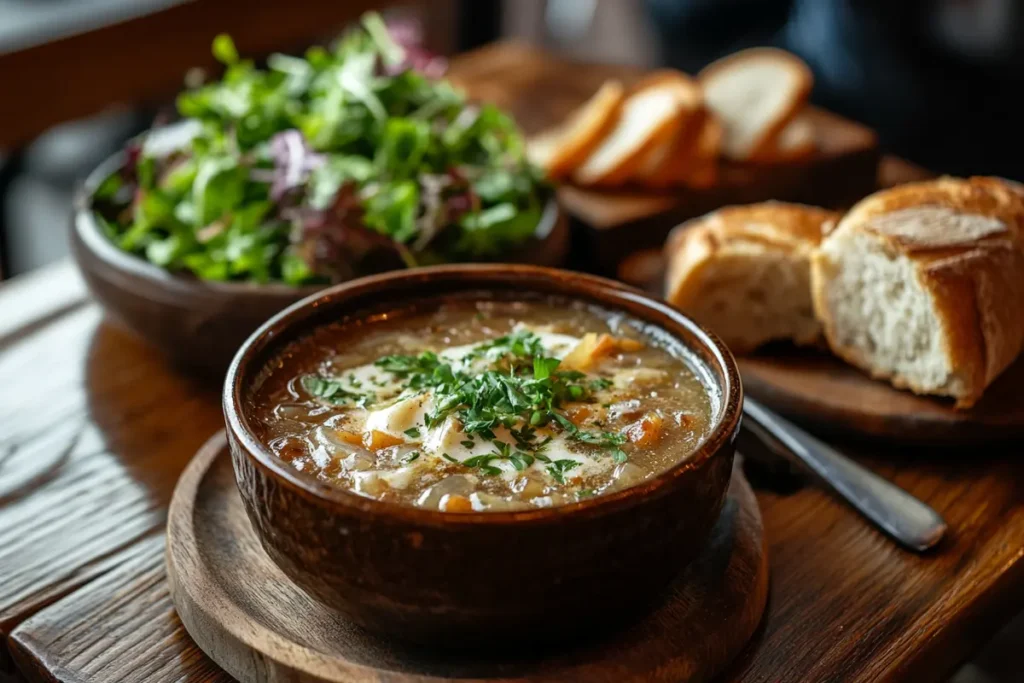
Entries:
{"x":483,"y":405}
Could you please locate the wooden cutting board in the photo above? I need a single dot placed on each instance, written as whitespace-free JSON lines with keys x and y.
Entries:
{"x":540,"y":90}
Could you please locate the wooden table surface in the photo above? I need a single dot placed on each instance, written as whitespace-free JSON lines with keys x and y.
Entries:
{"x":95,"y":428}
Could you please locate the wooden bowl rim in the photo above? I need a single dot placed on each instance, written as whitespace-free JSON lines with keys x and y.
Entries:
{"x":300,"y":317}
{"x":93,"y":239}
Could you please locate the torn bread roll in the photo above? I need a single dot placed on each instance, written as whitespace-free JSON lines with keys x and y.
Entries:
{"x":923,"y":285}
{"x":744,"y":272}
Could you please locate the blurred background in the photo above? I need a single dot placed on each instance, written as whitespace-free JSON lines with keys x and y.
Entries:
{"x":935,"y":78}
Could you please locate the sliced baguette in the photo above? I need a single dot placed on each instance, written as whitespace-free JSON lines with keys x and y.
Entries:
{"x":756,"y":93}
{"x":649,"y":116}
{"x":923,"y":285}
{"x":561,"y":149}
{"x":699,"y":169}
{"x":744,"y":272}
{"x":659,"y":165}
{"x":796,"y":142}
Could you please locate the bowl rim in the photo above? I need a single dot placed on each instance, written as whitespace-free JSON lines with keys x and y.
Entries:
{"x":87,"y":229}
{"x":296,"y":319}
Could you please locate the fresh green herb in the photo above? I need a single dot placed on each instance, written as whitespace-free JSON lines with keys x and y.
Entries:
{"x":412,"y":433}
{"x":331,"y":391}
{"x":412,"y":456}
{"x":468,"y":443}
{"x":559,"y":468}
{"x":326,"y":166}
{"x":522,"y":390}
{"x":449,"y":458}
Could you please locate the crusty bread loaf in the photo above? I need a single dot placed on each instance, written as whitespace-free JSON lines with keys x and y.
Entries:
{"x":561,"y":149}
{"x":744,"y":272}
{"x":756,"y":93}
{"x":650,"y":115}
{"x":923,"y":285}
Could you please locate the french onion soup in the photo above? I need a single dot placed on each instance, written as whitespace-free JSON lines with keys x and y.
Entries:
{"x":483,"y":405}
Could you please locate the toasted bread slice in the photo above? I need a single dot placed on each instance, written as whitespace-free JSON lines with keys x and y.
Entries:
{"x":700,"y":170}
{"x":744,"y":271}
{"x":659,"y":165}
{"x":649,"y":116}
{"x":796,"y":142}
{"x":756,"y":93}
{"x":561,"y":149}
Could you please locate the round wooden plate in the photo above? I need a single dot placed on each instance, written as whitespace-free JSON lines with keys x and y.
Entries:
{"x":258,"y":626}
{"x":819,"y":390}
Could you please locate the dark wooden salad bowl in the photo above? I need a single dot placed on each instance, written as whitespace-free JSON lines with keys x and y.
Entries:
{"x":482,"y":578}
{"x":200,"y":324}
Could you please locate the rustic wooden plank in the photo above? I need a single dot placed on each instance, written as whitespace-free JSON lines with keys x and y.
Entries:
{"x":31,"y":299}
{"x":121,"y":628}
{"x":96,"y":430}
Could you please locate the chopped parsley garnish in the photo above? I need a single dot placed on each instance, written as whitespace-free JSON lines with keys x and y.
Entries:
{"x":332,"y":391}
{"x":558,"y":469}
{"x":520,"y":389}
{"x":412,"y":456}
{"x":412,"y":433}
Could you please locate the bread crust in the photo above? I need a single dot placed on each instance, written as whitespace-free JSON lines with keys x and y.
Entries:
{"x":573,"y":141}
{"x":804,"y":83}
{"x":666,"y":130}
{"x":659,"y":167}
{"x":693,"y":247}
{"x":700,"y":168}
{"x":796,"y":142}
{"x":965,"y":238}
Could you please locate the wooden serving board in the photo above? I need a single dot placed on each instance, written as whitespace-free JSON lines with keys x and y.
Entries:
{"x":258,"y":626}
{"x":813,"y":387}
{"x":819,"y":390}
{"x":540,"y":90}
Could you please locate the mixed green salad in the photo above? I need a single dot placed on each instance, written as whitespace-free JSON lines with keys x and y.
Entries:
{"x":318,"y":169}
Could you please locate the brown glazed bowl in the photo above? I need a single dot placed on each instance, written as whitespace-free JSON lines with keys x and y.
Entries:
{"x":200,"y":324}
{"x":479,"y":578}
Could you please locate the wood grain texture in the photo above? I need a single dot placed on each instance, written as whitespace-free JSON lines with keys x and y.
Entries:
{"x":122,"y":628}
{"x":541,"y":90}
{"x":91,"y":444}
{"x":246,"y":613}
{"x":816,"y":388}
